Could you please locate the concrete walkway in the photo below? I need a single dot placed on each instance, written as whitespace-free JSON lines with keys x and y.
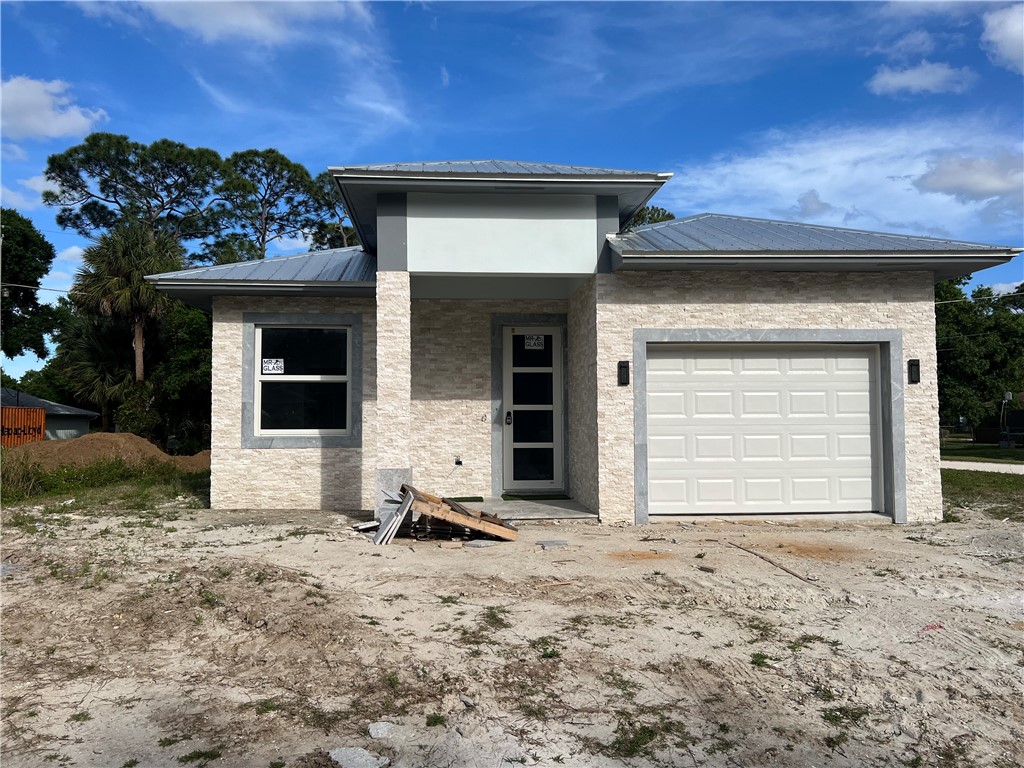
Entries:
{"x":984,"y":466}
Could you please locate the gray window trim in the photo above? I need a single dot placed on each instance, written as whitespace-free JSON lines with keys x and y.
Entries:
{"x":890,"y":343}
{"x":354,"y":322}
{"x":498,"y":322}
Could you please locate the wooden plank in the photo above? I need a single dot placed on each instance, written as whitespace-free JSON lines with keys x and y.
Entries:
{"x":503,"y":531}
{"x":389,"y":525}
{"x":465,"y":510}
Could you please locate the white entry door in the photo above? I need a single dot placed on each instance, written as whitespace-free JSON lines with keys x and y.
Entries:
{"x":764,"y":428}
{"x":532,"y":435}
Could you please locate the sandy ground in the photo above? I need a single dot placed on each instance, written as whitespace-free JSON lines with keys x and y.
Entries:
{"x":178,"y":637}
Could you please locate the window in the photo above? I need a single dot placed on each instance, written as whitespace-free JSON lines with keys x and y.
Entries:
{"x":302,"y":381}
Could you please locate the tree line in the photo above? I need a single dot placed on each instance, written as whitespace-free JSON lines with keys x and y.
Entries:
{"x":142,"y":359}
{"x":122,"y":348}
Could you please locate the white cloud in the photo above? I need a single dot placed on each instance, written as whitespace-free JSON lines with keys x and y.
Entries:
{"x":445,"y":77}
{"x":291,"y":244}
{"x":72,"y":254}
{"x":12,"y":198}
{"x":41,"y":109}
{"x":1003,"y":37}
{"x":38,"y":184}
{"x":1000,"y":288}
{"x":926,"y":77}
{"x":220,"y":99}
{"x":916,"y":43}
{"x":269,"y":24}
{"x":874,"y":177}
{"x":12,"y":152}
{"x":974,"y":178}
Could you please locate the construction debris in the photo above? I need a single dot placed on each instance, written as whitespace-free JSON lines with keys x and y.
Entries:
{"x":430,"y":516}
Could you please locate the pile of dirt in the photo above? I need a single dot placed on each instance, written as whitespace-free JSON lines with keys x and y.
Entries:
{"x":100,"y":446}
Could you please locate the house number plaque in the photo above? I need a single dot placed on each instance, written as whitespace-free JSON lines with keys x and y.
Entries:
{"x":533,"y":342}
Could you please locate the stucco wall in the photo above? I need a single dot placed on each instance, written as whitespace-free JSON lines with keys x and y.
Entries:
{"x":630,"y":300}
{"x":582,"y":379}
{"x":452,"y":412}
{"x":331,"y":478}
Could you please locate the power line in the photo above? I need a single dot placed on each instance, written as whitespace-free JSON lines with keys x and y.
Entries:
{"x":35,"y":287}
{"x":986,"y":298}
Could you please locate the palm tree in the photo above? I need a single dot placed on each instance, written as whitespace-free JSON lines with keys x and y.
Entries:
{"x":111,"y":282}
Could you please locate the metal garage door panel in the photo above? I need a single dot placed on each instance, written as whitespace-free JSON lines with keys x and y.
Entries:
{"x":762,"y":429}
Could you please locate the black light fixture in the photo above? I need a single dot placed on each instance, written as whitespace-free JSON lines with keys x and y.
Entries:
{"x":914,"y":371}
{"x":623,"y":373}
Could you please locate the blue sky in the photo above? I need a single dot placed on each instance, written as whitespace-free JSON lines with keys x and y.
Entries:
{"x":904,"y":117}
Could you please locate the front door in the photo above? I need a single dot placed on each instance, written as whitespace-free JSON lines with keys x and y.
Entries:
{"x":532,"y":435}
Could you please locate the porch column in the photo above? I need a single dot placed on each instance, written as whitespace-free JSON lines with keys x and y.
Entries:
{"x":394,"y":383}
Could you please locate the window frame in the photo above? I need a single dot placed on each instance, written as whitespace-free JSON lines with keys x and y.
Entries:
{"x":260,"y":378}
{"x":251,"y":435}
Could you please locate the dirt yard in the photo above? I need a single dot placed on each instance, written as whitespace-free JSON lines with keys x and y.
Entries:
{"x":176,"y":636}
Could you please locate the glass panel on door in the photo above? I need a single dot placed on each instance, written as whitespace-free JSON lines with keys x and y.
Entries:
{"x":533,"y":395}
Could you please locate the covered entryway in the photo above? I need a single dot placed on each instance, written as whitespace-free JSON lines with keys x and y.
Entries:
{"x":763,"y":428}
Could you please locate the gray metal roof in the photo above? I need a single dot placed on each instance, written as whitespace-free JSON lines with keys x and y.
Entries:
{"x":13,"y":398}
{"x":338,"y":265}
{"x":719,"y":233}
{"x":494,"y":168}
{"x":337,"y":272}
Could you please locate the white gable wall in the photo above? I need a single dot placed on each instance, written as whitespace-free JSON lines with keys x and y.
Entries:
{"x":502,"y":233}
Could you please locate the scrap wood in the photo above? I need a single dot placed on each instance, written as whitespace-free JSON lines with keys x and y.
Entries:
{"x":453,"y":512}
{"x":772,"y":562}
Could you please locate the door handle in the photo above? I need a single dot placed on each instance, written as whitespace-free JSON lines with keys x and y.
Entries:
{"x":508,"y":417}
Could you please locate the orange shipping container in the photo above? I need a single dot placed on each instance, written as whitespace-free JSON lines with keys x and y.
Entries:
{"x":21,"y":425}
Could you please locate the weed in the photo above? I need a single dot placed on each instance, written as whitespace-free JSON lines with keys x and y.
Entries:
{"x":705,"y":663}
{"x":80,"y":717}
{"x":533,"y":710}
{"x":433,"y":720}
{"x":520,"y":760}
{"x":199,"y":619}
{"x":762,"y":629}
{"x":835,"y":741}
{"x":824,"y":693}
{"x":130,"y":763}
{"x":949,"y":516}
{"x":264,"y":706}
{"x":450,"y":600}
{"x":277,"y":764}
{"x":845,"y":715}
{"x":197,"y":755}
{"x":760,"y":659}
{"x":494,"y":617}
{"x":210,"y":599}
{"x":548,"y":647}
{"x":389,"y":599}
{"x":886,"y":572}
{"x":805,"y":640}
{"x":170,"y":741}
{"x":303,"y":532}
{"x":369,"y":619}
{"x":627,"y":688}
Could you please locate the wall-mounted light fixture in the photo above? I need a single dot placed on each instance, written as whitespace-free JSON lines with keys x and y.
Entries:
{"x":914,"y":371}
{"x":623,"y":373}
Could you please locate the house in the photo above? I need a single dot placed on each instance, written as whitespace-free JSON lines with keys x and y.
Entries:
{"x":62,"y":421}
{"x":501,"y":329}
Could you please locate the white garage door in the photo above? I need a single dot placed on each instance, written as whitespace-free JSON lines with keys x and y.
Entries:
{"x":759,"y":429}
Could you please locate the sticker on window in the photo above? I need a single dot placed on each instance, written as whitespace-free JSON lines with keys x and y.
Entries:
{"x":533,"y":342}
{"x":273,"y":365}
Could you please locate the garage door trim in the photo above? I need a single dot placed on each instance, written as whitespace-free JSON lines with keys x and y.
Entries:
{"x":890,"y":344}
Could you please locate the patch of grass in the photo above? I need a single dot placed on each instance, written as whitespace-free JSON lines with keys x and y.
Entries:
{"x":170,"y":741}
{"x":639,"y":734}
{"x":998,"y":493}
{"x":805,"y":640}
{"x":435,"y":719}
{"x":494,"y":617}
{"x":80,"y":717}
{"x":210,"y":599}
{"x":835,"y":741}
{"x":825,"y":693}
{"x":985,"y":453}
{"x":881,"y":572}
{"x":449,"y":600}
{"x":22,"y":479}
{"x":626,"y":687}
{"x":844,"y":716}
{"x":760,"y":659}
{"x":130,"y":763}
{"x":264,"y":706}
{"x":763,"y":631}
{"x":202,"y":756}
{"x":548,"y":646}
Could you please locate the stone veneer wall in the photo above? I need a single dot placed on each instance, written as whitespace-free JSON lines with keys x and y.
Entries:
{"x":265,"y":478}
{"x":630,"y":300}
{"x":582,"y":378}
{"x":451,"y":391}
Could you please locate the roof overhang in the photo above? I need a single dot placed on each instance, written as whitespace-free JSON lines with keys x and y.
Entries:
{"x":361,"y":187}
{"x":200,"y":293}
{"x":944,"y":265}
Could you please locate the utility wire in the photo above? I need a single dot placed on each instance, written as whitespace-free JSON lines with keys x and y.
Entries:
{"x":986,"y":298}
{"x":35,"y":287}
